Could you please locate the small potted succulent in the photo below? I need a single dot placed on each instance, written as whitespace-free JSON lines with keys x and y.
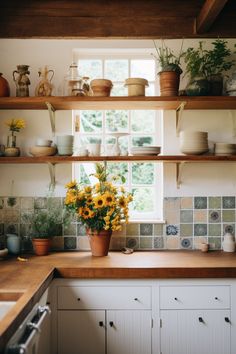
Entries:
{"x":170,"y":69}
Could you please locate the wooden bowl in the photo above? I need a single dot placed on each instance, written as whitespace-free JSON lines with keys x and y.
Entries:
{"x":43,"y":150}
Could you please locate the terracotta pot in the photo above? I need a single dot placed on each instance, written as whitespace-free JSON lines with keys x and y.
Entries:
{"x":41,"y":246}
{"x":169,"y":83}
{"x":99,"y":242}
{"x":101,"y":87}
{"x":4,"y":87}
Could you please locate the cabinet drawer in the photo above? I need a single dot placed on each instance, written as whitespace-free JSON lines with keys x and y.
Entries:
{"x":194,"y":297}
{"x":91,"y":297}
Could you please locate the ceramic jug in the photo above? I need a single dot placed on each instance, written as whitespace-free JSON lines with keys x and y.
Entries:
{"x":44,"y":87}
{"x":228,"y":243}
{"x":4,"y":87}
{"x":230,"y":85}
{"x":22,"y":80}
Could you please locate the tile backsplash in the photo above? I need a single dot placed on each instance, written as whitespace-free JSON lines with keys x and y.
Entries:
{"x":189,"y":221}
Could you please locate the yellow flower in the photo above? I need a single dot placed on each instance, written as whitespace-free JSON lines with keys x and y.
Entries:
{"x":87,"y":213}
{"x":15,"y":125}
{"x":87,"y":189}
{"x":109,"y":199}
{"x":89,"y":200}
{"x":70,"y":198}
{"x":122,"y":202}
{"x":99,"y":201}
{"x":71,"y":184}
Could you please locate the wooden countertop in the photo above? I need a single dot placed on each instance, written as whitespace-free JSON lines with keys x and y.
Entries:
{"x":32,"y":278}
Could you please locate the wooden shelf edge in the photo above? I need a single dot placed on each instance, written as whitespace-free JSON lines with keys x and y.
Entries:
{"x":125,"y":102}
{"x":146,"y":158}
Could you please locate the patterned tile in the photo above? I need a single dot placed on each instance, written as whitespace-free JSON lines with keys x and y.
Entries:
{"x":146,"y":229}
{"x":132,"y":229}
{"x":200,"y":202}
{"x":186,"y":216}
{"x":200,"y":229}
{"x":214,"y":243}
{"x":132,"y":242}
{"x":158,"y":242}
{"x":146,"y":242}
{"x":172,"y":230}
{"x":228,"y":215}
{"x":229,"y":228}
{"x":186,"y":230}
{"x":214,"y":230}
{"x":69,"y":243}
{"x":12,"y":202}
{"x":186,"y":243}
{"x":228,"y":202}
{"x":158,"y":229}
{"x":214,"y":216}
{"x":214,"y":202}
{"x":200,"y":216}
{"x":186,"y":203}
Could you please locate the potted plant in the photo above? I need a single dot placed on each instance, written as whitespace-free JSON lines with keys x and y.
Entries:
{"x":170,"y":72}
{"x":102,"y":208}
{"x":45,"y":223}
{"x":205,"y":68}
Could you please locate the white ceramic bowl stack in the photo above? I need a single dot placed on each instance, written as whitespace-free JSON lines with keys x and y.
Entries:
{"x":145,"y":150}
{"x":224,"y":149}
{"x":65,"y":145}
{"x":193,"y":142}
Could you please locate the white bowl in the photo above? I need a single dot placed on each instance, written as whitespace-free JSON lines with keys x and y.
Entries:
{"x":43,"y":142}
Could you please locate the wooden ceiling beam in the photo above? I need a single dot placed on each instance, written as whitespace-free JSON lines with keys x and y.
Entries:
{"x":208,"y":14}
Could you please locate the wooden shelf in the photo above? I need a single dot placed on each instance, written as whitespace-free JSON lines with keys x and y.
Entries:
{"x":159,"y":158}
{"x":105,"y":103}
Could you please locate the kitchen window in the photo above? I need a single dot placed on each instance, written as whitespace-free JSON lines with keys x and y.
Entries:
{"x":136,"y":127}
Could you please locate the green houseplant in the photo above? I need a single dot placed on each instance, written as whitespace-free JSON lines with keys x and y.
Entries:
{"x":45,"y":224}
{"x":170,"y":69}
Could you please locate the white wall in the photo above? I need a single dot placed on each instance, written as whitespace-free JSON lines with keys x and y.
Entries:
{"x":198,"y":179}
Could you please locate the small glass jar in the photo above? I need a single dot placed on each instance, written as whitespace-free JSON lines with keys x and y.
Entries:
{"x":73,"y":83}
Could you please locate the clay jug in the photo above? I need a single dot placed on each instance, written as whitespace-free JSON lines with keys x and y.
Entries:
{"x":44,"y":87}
{"x":4,"y":87}
{"x":22,"y":80}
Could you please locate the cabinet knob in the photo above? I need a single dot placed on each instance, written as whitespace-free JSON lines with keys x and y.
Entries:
{"x":227,"y":319}
{"x":216,"y":298}
{"x":100,"y":323}
{"x":176,"y":299}
{"x":135,"y":299}
{"x":111,"y":323}
{"x":78,"y":299}
{"x":200,"y":319}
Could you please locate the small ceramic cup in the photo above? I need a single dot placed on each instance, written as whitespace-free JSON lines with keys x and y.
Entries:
{"x":94,"y":149}
{"x":204,"y":247}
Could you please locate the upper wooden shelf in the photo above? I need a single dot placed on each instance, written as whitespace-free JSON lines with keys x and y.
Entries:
{"x":107,"y":103}
{"x":146,"y":158}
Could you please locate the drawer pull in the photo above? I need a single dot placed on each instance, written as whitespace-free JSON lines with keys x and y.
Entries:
{"x":227,"y":319}
{"x":200,"y":319}
{"x":111,"y":323}
{"x":100,"y":323}
{"x":216,"y":298}
{"x":78,"y":299}
{"x":176,"y":299}
{"x":135,"y":299}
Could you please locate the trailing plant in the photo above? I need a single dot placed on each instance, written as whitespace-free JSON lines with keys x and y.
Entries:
{"x":166,"y":58}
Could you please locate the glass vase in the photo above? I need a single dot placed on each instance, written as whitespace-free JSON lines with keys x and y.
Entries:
{"x":11,"y":141}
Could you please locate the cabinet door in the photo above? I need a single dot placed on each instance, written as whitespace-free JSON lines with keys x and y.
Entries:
{"x":129,"y":332}
{"x":195,"y":331}
{"x":81,"y":332}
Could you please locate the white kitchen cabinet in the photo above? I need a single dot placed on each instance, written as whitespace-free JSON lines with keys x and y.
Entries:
{"x":195,"y":319}
{"x":104,"y":318}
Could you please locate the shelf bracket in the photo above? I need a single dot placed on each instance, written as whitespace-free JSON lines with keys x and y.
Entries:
{"x":51,"y":111}
{"x":233,"y":117}
{"x":51,"y":168}
{"x":179,"y":114}
{"x":179,"y":172}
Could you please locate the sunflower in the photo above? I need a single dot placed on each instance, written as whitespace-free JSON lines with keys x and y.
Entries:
{"x":99,"y":201}
{"x":109,"y":199}
{"x":71,"y":185}
{"x":122,"y":202}
{"x":88,"y":189}
{"x":87,"y":213}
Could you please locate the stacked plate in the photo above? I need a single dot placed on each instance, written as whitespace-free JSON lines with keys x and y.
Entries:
{"x":145,"y":150}
{"x":193,"y":142}
{"x":224,"y":149}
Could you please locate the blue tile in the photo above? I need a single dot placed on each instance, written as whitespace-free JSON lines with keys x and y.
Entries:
{"x":228,"y":202}
{"x":200,"y":202}
{"x":200,"y":229}
{"x":172,"y":230}
{"x":186,"y":243}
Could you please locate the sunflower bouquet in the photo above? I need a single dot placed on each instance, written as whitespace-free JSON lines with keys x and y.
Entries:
{"x":103,"y":206}
{"x":15,"y":125}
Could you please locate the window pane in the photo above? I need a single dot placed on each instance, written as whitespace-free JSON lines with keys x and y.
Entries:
{"x":150,"y":90}
{"x":118,"y":169}
{"x":116,"y":70}
{"x":91,"y":68}
{"x":90,"y":139}
{"x":119,"y":90}
{"x":116,"y":121}
{"x":84,"y":178}
{"x":91,"y":121}
{"x":142,"y":173}
{"x":143,"y":121}
{"x":142,"y":140}
{"x":143,"y":200}
{"x":143,"y":68}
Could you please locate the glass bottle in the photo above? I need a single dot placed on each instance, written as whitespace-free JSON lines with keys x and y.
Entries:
{"x":73,"y":82}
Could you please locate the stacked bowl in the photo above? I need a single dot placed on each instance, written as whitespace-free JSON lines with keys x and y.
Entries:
{"x":193,"y":142}
{"x":65,"y":144}
{"x":224,"y":149}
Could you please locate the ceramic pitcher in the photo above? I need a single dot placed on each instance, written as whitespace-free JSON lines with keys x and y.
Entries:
{"x":228,"y":243}
{"x":22,"y":81}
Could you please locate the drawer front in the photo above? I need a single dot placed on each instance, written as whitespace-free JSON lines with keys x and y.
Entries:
{"x":91,"y":297}
{"x":194,"y":297}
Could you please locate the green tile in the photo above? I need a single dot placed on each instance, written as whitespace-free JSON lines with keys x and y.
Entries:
{"x":186,"y":230}
{"x":158,"y":242}
{"x":200,"y":202}
{"x":214,"y":229}
{"x":200,"y":229}
{"x":146,"y":242}
{"x":228,"y":202}
{"x":228,"y":215}
{"x":158,"y":229}
{"x":214,"y":202}
{"x":146,"y":229}
{"x":132,"y":229}
{"x":215,"y":243}
{"x":186,"y":216}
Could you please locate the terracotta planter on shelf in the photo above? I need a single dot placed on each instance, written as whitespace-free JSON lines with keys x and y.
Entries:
{"x":99,"y":242}
{"x":41,"y":246}
{"x":169,"y":83}
{"x":4,"y":87}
